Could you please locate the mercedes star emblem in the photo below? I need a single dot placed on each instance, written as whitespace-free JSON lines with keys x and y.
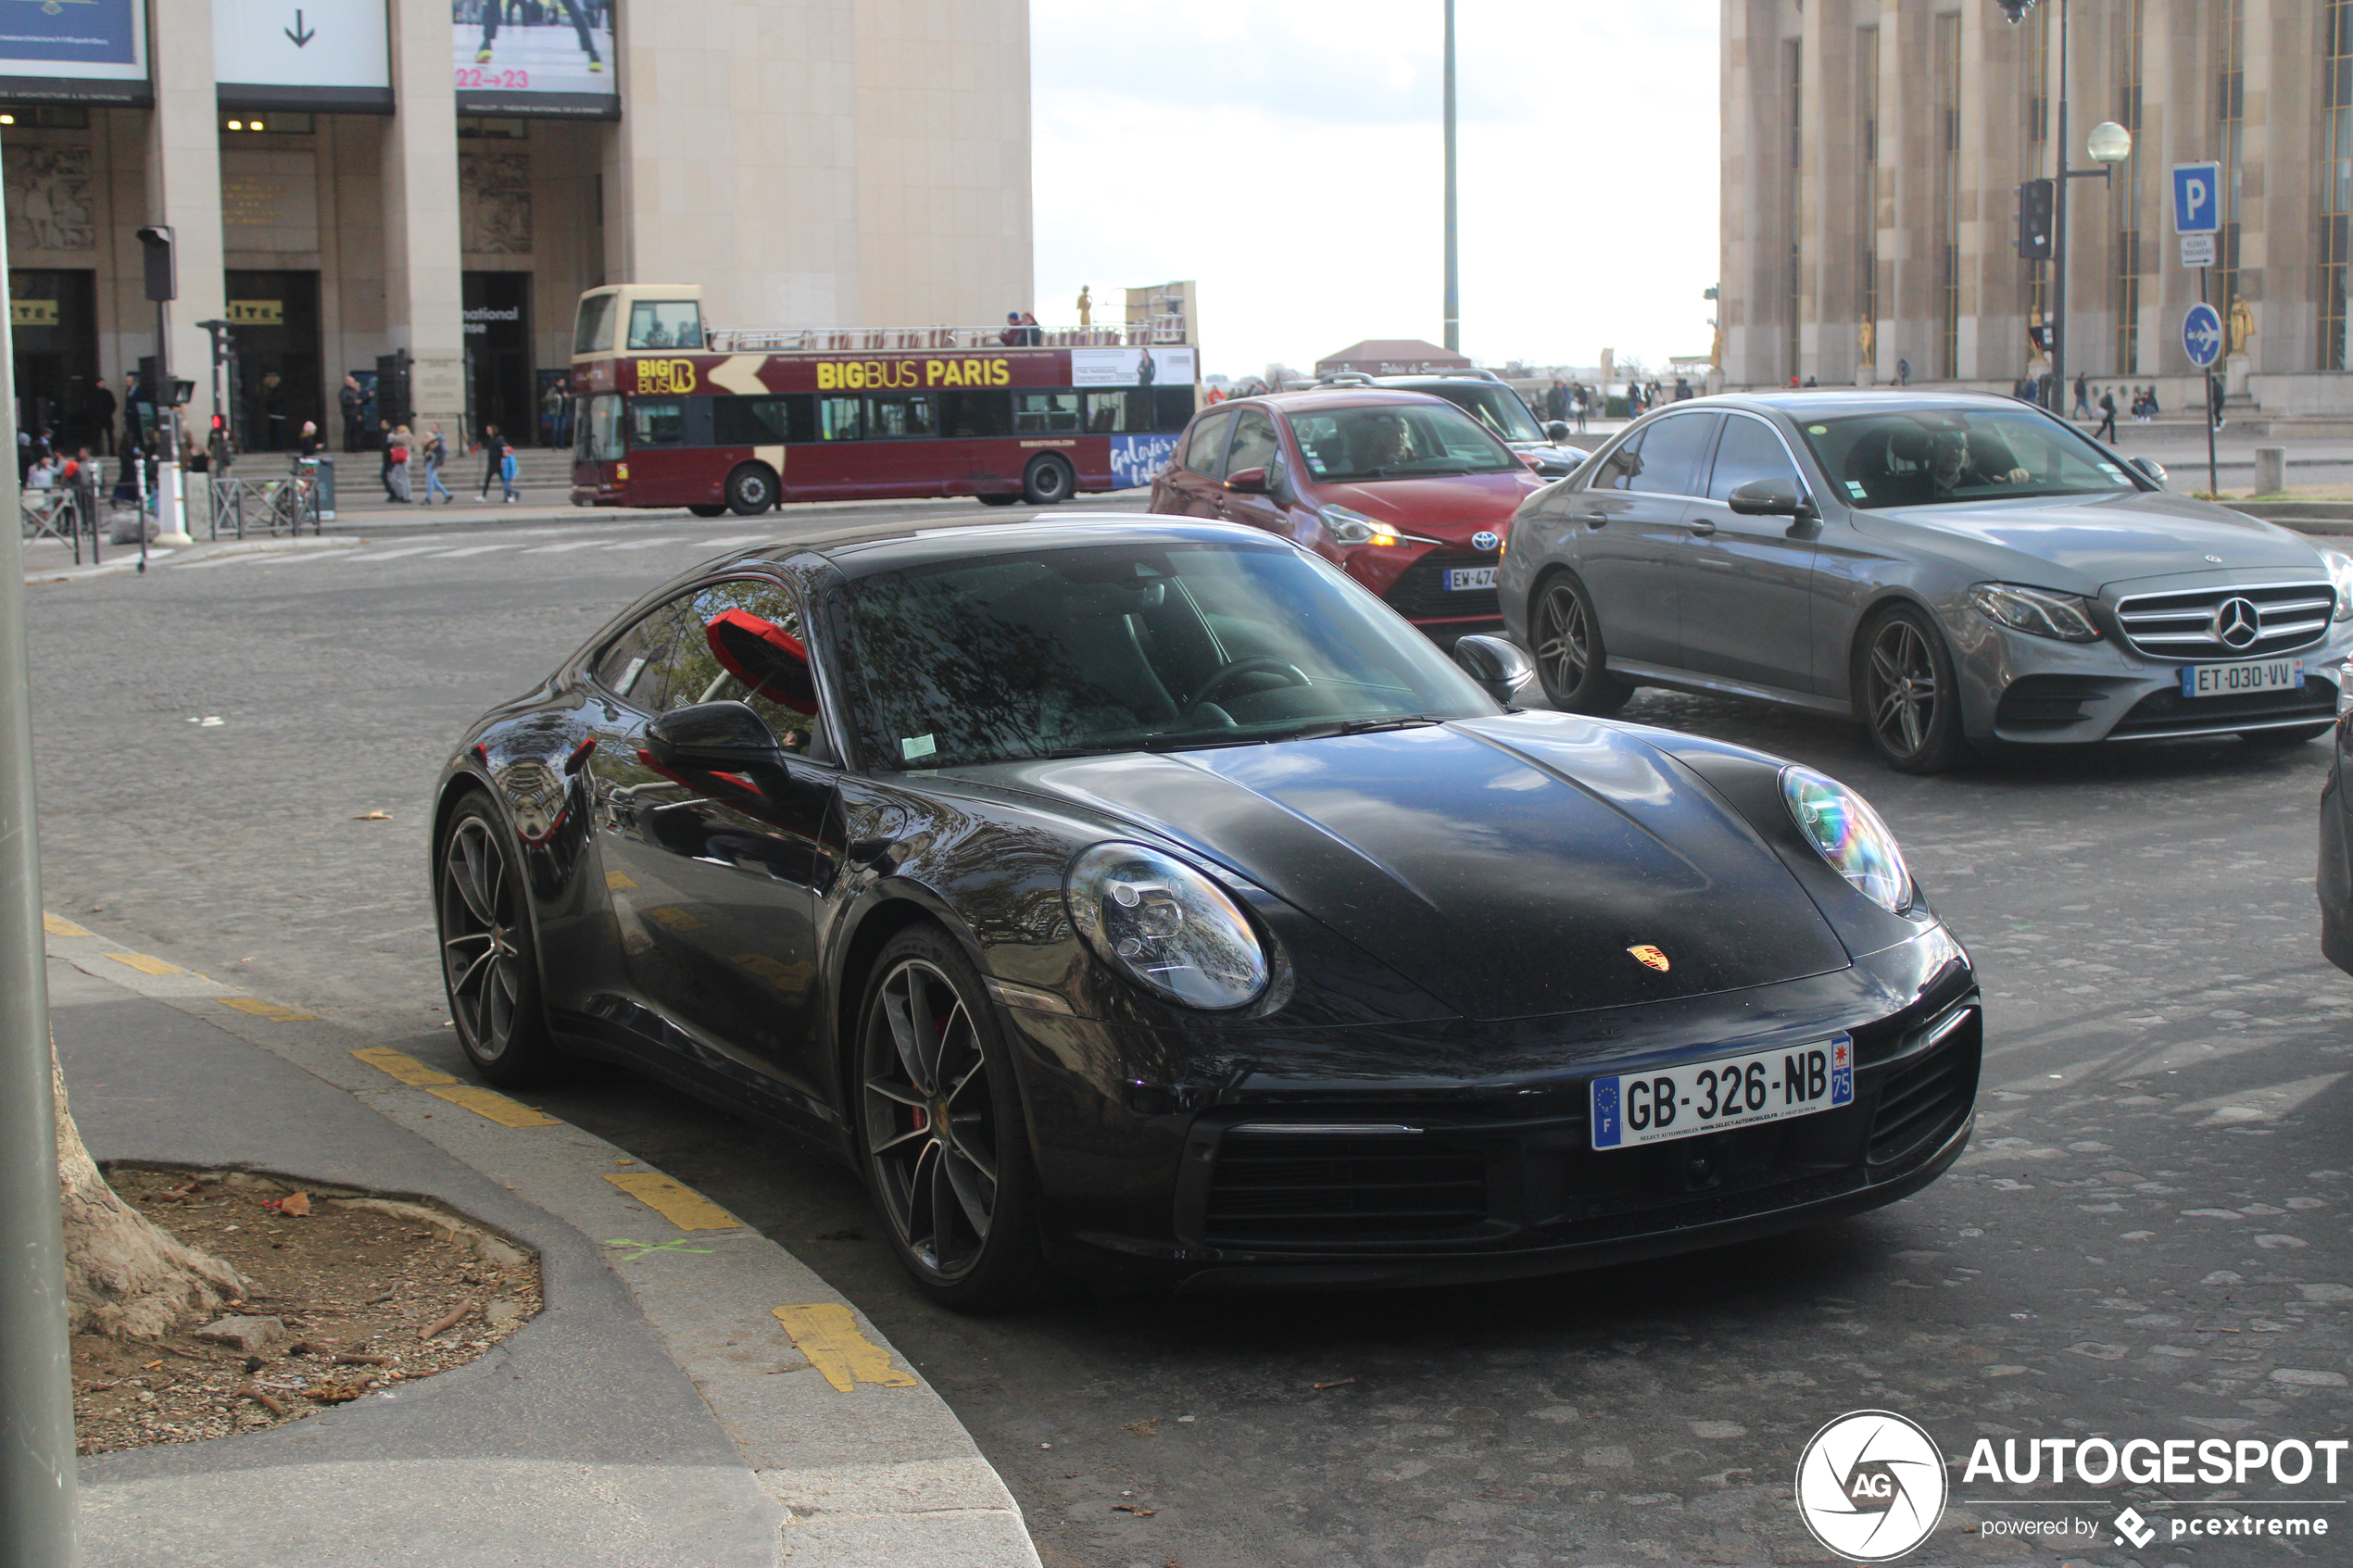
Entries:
{"x":2238,"y":623}
{"x":1485,"y":539}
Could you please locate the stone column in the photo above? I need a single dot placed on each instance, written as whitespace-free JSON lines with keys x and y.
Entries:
{"x":183,"y":190}
{"x":424,"y":293}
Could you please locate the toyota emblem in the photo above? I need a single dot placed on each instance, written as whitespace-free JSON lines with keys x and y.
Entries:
{"x":1486,"y":539}
{"x":2238,"y":623}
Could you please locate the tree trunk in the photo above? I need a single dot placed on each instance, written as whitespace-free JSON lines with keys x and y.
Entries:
{"x":126,"y":1276}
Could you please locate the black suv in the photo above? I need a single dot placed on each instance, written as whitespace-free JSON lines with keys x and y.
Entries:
{"x":1494,"y":403}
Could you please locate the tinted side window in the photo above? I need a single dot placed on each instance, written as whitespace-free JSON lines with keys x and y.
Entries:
{"x":910,"y":415}
{"x":1749,"y":451}
{"x":664,"y":661}
{"x":1254,"y":445}
{"x":975,"y":413}
{"x":1205,"y":452}
{"x":1045,"y":412}
{"x":656,"y":421}
{"x":1671,"y":453}
{"x":1617,"y":470}
{"x":762,"y":421}
{"x":1172,"y":405}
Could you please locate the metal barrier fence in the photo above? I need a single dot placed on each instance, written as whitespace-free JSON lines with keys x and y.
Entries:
{"x":283,"y":504}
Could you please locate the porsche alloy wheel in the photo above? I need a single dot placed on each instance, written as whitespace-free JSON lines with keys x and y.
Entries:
{"x":1570,"y":661}
{"x":487,"y":960}
{"x":940,"y":1129}
{"x":1910,"y":701}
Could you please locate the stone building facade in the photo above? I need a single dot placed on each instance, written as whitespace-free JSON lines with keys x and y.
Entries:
{"x":807,"y":162}
{"x":1872,"y":150}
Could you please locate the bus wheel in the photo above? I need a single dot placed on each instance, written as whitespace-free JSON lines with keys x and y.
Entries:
{"x":707,"y":509}
{"x":751,"y":490}
{"x":995,"y":500}
{"x":1047,"y":482}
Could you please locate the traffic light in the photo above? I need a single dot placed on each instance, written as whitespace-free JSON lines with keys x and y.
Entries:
{"x":392,"y":387}
{"x":150,"y":377}
{"x":163,"y":281}
{"x":2036,"y":201}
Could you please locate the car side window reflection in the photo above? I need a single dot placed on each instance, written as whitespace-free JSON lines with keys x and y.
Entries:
{"x":1618,"y":469}
{"x":1254,"y":445}
{"x":1749,"y":451}
{"x":1671,"y":453}
{"x":665,"y":660}
{"x":1205,"y":452}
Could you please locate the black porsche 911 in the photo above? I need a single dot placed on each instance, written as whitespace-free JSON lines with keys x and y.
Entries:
{"x":1140,"y":898}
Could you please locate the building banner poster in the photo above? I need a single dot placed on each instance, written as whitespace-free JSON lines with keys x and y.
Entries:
{"x":1131,"y":367}
{"x":330,"y":56}
{"x":1135,"y":458}
{"x":552,"y":58}
{"x":91,"y":51}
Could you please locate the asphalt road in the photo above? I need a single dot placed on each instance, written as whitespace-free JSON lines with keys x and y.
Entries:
{"x":2149,"y":1237}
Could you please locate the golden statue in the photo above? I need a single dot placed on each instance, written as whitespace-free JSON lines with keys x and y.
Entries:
{"x":1085,"y":306}
{"x":2241,"y":325}
{"x":1715,"y":351}
{"x":1867,"y":339}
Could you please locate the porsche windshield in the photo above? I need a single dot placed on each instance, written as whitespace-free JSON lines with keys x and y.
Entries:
{"x":1398,"y":441}
{"x":1944,"y":456}
{"x":1122,"y":648}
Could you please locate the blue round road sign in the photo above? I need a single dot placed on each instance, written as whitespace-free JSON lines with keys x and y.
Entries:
{"x":2202,"y":335}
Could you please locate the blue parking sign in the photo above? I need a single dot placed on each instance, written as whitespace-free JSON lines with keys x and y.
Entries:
{"x":2198,"y":198}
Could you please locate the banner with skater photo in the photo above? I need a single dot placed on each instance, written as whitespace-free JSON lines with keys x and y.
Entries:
{"x":92,"y":52}
{"x":545,"y":57}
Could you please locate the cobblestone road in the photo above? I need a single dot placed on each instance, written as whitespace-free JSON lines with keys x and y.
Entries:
{"x":2148,"y":1239}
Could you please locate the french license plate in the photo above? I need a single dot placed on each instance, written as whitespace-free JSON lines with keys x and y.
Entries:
{"x":1708,"y":1097}
{"x":2230,"y":680}
{"x":1471,"y":577}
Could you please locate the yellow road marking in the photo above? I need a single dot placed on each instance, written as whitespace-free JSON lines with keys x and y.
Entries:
{"x":269,"y":1010}
{"x":146,"y":965}
{"x":681,"y":1205}
{"x":58,"y":925}
{"x":675,"y":918}
{"x":829,"y":1336}
{"x":406,"y":1068}
{"x":496,"y":1106}
{"x":616,"y":881}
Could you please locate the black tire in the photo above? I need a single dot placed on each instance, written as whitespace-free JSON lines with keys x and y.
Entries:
{"x":1906,"y":693}
{"x":708,"y":508}
{"x":490,"y":963}
{"x":995,"y":500}
{"x":751,"y":489}
{"x":2276,"y":740}
{"x":1048,"y":481}
{"x":1564,"y":637}
{"x":962,"y":1210}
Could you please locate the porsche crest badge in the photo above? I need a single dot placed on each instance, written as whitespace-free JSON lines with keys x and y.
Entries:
{"x":1649,"y":957}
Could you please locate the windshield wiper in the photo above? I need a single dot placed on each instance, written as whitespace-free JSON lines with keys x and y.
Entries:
{"x":1361,"y":726}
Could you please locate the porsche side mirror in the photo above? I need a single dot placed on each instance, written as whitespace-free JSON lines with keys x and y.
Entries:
{"x":1246,"y":481}
{"x":711,"y":737}
{"x":1558,"y":431}
{"x":1496,"y":664}
{"x":1769,"y":497}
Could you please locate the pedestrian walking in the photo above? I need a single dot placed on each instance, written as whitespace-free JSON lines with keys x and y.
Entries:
{"x":2083,"y":395}
{"x":102,"y":412}
{"x":399,"y":459}
{"x":1903,"y":372}
{"x":1581,"y":405}
{"x":497,"y":455}
{"x":353,"y":401}
{"x":385,"y":460}
{"x":2214,"y":399}
{"x":2108,"y":417}
{"x":436,"y":452}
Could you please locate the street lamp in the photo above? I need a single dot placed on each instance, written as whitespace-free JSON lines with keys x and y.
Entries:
{"x":2108,"y":145}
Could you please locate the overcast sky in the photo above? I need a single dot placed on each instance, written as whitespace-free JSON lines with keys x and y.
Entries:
{"x":1288,"y":158}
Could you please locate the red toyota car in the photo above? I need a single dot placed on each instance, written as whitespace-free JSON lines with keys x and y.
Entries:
{"x":1408,"y":493}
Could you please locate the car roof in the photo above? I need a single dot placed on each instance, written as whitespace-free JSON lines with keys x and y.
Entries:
{"x":1815,"y":402}
{"x":859,"y":548}
{"x":1335,"y":397}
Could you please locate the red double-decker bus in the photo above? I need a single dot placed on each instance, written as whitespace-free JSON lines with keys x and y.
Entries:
{"x":670,"y":413}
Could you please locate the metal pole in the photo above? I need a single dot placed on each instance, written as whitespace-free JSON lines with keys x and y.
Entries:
{"x":2058,"y":230}
{"x":36,"y":1390}
{"x":2206,"y":400}
{"x":1453,"y":269}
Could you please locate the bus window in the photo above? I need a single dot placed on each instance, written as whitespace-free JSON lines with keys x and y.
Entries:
{"x":592,"y":333}
{"x":762,"y":421}
{"x":839,"y":419}
{"x":600,"y":431}
{"x":1171,"y":407}
{"x":665,"y":323}
{"x":656,"y":421}
{"x":1107,"y":412}
{"x":901,"y":416}
{"x":975,"y":413}
{"x":1045,"y":410}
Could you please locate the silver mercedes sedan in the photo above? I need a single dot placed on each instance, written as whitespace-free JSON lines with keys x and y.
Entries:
{"x":1945,"y":569}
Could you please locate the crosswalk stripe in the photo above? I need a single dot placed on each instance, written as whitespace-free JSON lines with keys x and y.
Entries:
{"x":567,"y":544}
{"x":647,"y":543}
{"x":395,"y":555}
{"x":735,"y":539}
{"x":471,"y":550}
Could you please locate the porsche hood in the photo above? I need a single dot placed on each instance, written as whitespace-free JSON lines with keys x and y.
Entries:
{"x":1510,"y":867}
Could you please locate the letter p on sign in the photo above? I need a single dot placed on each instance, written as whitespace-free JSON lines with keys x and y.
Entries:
{"x":2198,"y":207}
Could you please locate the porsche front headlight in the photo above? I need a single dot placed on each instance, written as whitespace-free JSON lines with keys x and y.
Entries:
{"x":1166,"y":925}
{"x":1841,"y":825}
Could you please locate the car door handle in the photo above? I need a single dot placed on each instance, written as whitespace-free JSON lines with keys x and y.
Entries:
{"x":1702,"y":528}
{"x":1596,"y":518}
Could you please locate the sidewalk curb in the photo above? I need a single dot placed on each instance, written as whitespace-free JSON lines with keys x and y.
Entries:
{"x":881,"y":1473}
